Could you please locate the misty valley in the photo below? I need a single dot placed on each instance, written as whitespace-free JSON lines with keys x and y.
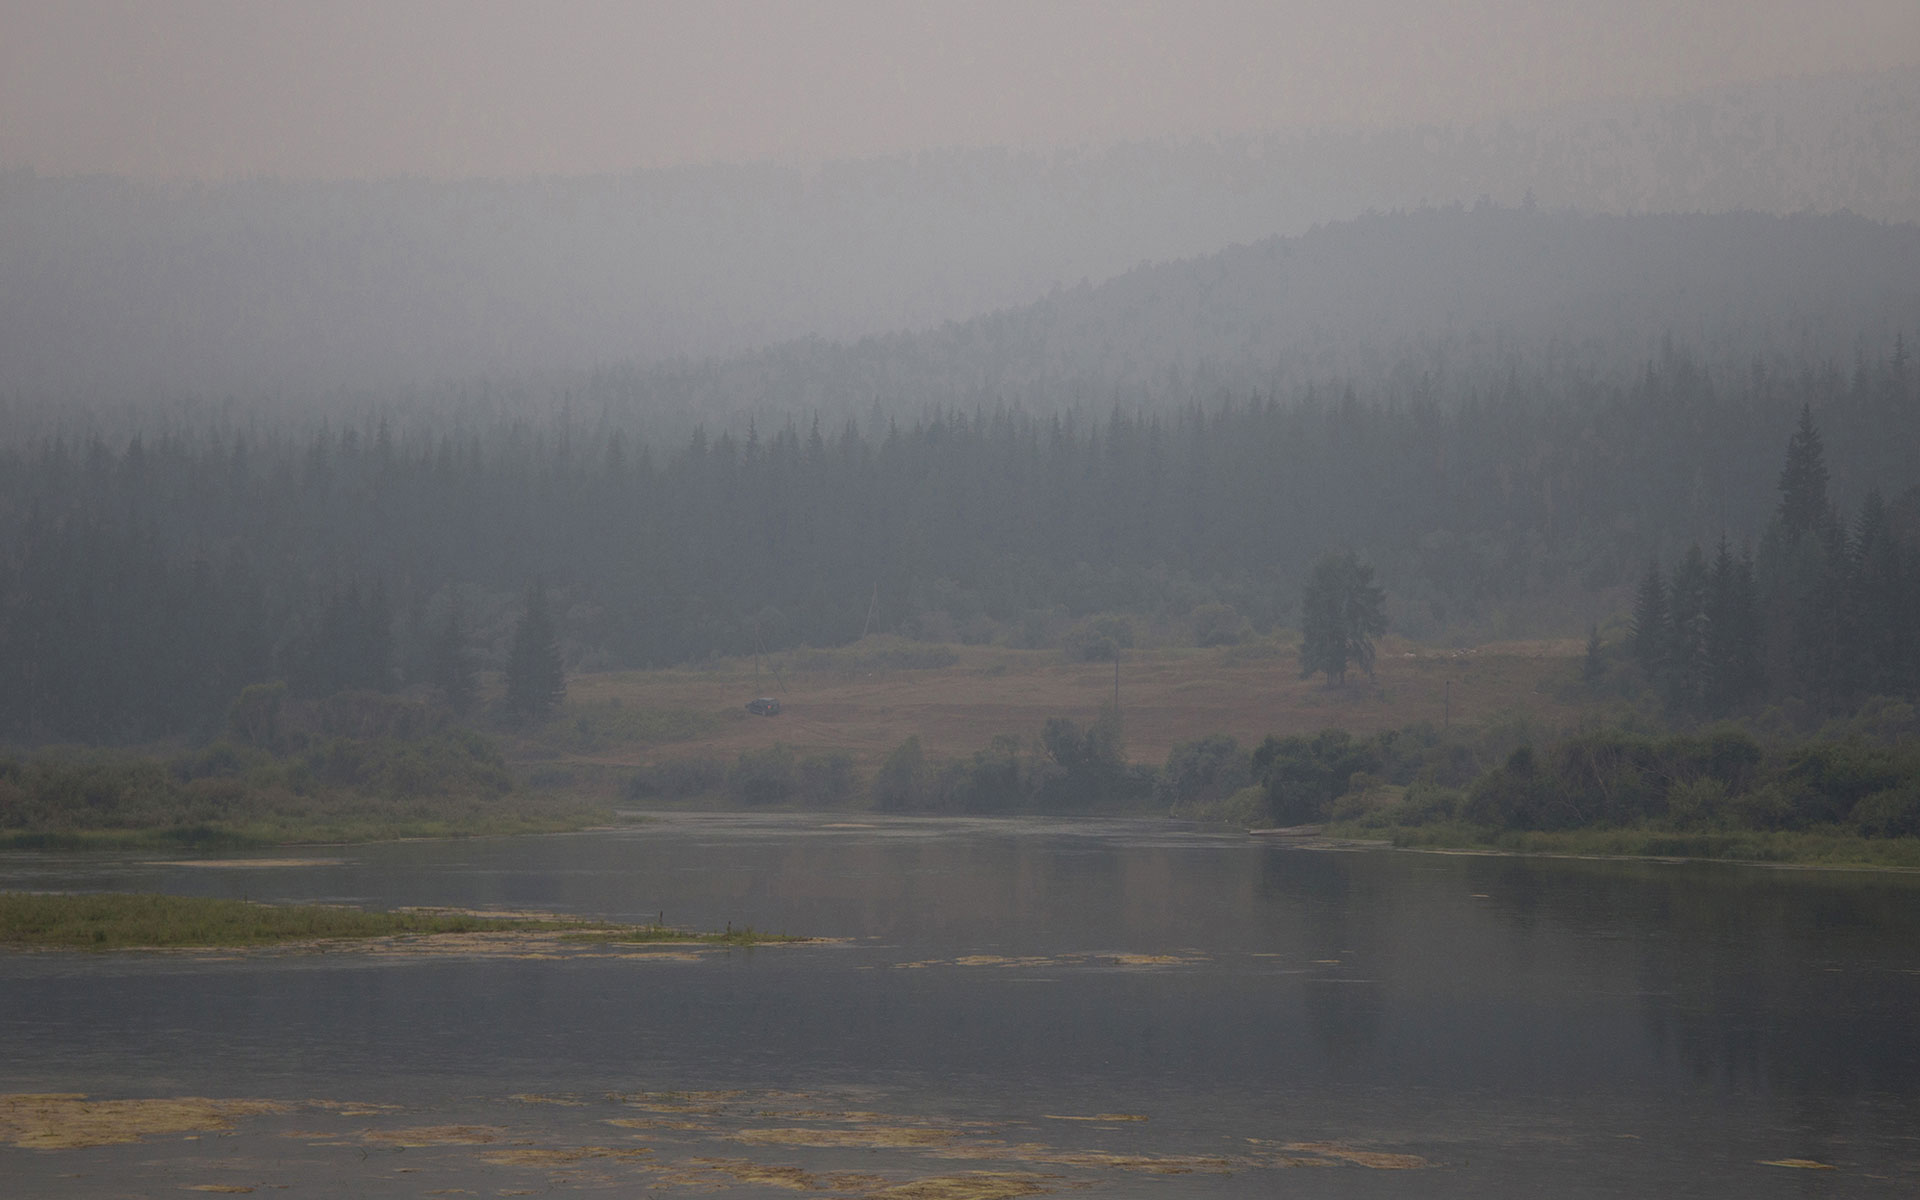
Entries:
{"x":1403,"y":680}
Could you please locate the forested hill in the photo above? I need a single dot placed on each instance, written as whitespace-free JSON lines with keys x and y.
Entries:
{"x":1436,"y":304}
{"x":287,"y":291}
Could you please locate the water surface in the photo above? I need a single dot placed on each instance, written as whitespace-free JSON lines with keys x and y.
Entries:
{"x":1272,"y":1019}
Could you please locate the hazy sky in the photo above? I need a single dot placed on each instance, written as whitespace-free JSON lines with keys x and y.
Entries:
{"x":217,"y":88}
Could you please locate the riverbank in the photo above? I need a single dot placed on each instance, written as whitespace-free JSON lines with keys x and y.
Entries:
{"x":231,"y":796}
{"x":148,"y":921}
{"x":1754,"y":847}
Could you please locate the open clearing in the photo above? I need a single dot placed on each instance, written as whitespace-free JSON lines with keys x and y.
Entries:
{"x":1167,"y":696}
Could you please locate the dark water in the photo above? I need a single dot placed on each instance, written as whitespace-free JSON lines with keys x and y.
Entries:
{"x":1506,"y":1026}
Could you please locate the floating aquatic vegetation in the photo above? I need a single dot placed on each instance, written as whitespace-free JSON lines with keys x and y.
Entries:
{"x":244,"y":863}
{"x":1804,"y":1164}
{"x":763,"y":1122}
{"x":69,"y":1120}
{"x":1149,"y":1164}
{"x":1375,"y":1159}
{"x":349,"y":1108}
{"x":1107,"y":1117}
{"x":231,"y":1189}
{"x":561,"y":1156}
{"x":657,"y":1123}
{"x":437,"y":1135}
{"x":973,"y":1186}
{"x":708,"y":1173}
{"x":1124,"y":959}
{"x":868,"y":1138}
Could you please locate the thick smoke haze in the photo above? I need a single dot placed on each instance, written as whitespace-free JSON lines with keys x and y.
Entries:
{"x":288,"y":203}
{"x":125,"y":291}
{"x":215,"y":89}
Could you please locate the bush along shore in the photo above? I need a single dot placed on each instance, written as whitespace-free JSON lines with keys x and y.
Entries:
{"x":231,"y":795}
{"x":1847,"y":796}
{"x":123,"y":921}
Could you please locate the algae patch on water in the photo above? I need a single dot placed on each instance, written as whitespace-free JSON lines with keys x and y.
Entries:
{"x":67,"y":1121}
{"x":1100,"y":959}
{"x":867,"y":1138}
{"x":564,"y":1156}
{"x":423,"y":1136}
{"x":977,"y":1186}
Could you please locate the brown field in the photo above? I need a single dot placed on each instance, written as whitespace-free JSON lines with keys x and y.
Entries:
{"x":1167,"y":696}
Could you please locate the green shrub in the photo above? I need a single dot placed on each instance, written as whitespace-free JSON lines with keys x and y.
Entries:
{"x":1200,"y":774}
{"x":1099,"y":638}
{"x":1218,"y":625}
{"x":902,"y":783}
{"x":1891,"y":813}
{"x":763,"y":777}
{"x":827,"y":780}
{"x":1697,"y":803}
{"x":677,"y":779}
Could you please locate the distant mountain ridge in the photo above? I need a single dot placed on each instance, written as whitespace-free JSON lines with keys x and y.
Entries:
{"x":1428,"y":304}
{"x":112,"y":289}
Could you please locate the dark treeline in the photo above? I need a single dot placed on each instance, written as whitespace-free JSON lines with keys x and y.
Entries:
{"x":1825,"y":613}
{"x":145,"y":581}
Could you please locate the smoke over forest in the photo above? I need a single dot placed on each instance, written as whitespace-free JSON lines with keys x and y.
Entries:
{"x":1529,"y":377}
{"x":279,"y":293}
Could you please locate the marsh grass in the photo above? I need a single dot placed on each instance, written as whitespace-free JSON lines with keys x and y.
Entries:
{"x":122,"y":921}
{"x":745,"y":935}
{"x":1812,"y":848}
{"x":230,"y":796}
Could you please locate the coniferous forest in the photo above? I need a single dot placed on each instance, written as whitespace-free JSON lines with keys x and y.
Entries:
{"x":1757,"y":531}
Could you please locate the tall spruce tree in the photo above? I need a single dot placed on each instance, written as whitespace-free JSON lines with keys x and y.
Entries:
{"x":1804,"y":508}
{"x":1651,"y":632}
{"x":536,"y":677}
{"x":1880,"y":605}
{"x":1689,"y":666}
{"x":1733,"y":615}
{"x":450,"y":661}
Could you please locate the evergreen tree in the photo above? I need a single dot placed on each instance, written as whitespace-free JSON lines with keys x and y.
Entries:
{"x":1880,"y":606}
{"x":376,"y":642}
{"x":1651,"y":632}
{"x":1803,"y":507}
{"x":1341,"y":612}
{"x":536,"y":678}
{"x":1689,"y":667}
{"x":1733,"y":615}
{"x":450,"y":662}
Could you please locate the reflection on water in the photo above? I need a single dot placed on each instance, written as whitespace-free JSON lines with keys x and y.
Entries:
{"x":1515,"y":1026}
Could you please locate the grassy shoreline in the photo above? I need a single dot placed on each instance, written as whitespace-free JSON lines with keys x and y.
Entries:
{"x":262,"y":835}
{"x":1771,"y":848}
{"x":152,"y":921}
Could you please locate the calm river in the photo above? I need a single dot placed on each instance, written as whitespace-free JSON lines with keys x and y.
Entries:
{"x":1014,"y":1007}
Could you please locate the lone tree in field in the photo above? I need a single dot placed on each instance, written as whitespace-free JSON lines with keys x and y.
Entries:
{"x":536,"y":678}
{"x":1340,"y":615}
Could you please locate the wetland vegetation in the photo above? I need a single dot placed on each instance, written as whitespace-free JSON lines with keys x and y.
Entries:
{"x":129,"y":921}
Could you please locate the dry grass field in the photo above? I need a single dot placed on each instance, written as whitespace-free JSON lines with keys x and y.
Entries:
{"x":840,"y":701}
